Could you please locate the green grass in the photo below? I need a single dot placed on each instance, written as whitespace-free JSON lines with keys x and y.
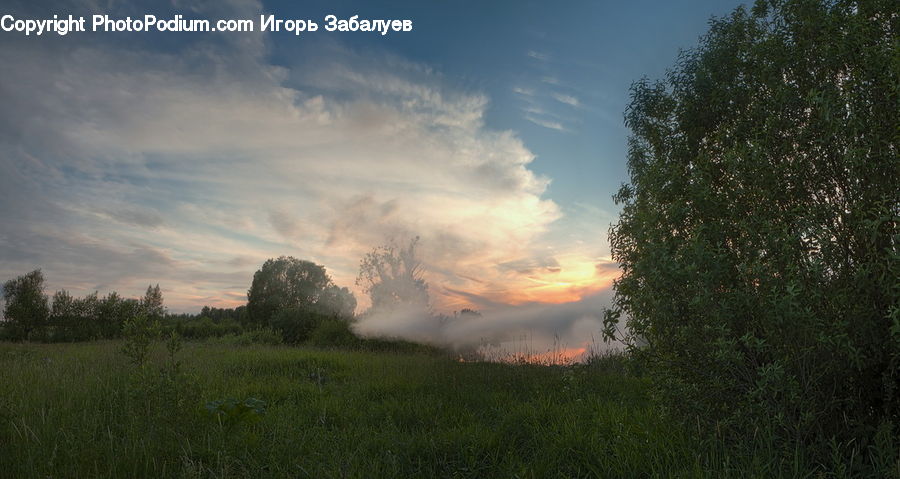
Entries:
{"x":81,"y":410}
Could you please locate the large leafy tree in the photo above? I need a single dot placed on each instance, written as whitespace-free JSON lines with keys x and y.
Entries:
{"x":759,"y":232}
{"x":27,"y":308}
{"x":288,"y":283}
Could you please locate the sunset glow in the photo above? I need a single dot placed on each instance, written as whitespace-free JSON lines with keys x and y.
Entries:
{"x":575,"y":280}
{"x":560,"y":357}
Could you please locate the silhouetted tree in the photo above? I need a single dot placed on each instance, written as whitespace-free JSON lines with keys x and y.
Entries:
{"x":759,"y":233}
{"x":113,"y":311}
{"x":287,"y":283}
{"x":27,"y":309}
{"x":74,"y":319}
{"x":152,"y":303}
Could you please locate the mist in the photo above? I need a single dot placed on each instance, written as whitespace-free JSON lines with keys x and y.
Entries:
{"x":573,"y":329}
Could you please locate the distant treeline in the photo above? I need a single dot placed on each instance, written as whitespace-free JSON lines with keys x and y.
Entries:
{"x":210,"y":322}
{"x":31,"y":315}
{"x":289,"y":301}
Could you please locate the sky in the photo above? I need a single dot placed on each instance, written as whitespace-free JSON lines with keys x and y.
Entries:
{"x":493,"y":131}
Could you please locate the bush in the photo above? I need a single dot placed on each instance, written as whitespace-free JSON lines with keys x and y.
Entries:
{"x":613,"y":363}
{"x":203,"y":327}
{"x":296,"y":324}
{"x":397,"y":345}
{"x":334,"y":333}
{"x":759,"y":233}
{"x":139,"y":333}
{"x":255,"y":336}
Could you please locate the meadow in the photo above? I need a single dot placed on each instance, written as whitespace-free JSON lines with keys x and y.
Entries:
{"x":220,"y":409}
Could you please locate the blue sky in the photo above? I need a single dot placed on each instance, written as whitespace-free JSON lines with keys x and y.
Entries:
{"x":587,"y":51}
{"x":493,"y":130}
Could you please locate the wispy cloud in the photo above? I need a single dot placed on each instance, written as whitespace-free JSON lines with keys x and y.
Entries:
{"x":566,"y":99}
{"x":538,"y":55}
{"x":528,"y":92}
{"x":553,"y":125}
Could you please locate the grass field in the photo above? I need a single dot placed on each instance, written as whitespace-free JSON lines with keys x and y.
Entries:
{"x":82,"y":410}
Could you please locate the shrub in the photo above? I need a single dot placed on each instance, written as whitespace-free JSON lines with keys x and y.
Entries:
{"x":333,"y":332}
{"x":203,"y":327}
{"x":230,"y":412}
{"x":255,"y":336}
{"x":397,"y":345}
{"x":296,"y":324}
{"x":139,"y":334}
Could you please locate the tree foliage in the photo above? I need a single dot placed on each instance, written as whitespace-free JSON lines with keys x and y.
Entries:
{"x":27,"y":309}
{"x":758,"y":236}
{"x":287,"y":288}
{"x":218,"y":315}
{"x":74,"y":319}
{"x":30,"y":315}
{"x":338,"y":301}
{"x":152,"y":303}
{"x":112,"y":313}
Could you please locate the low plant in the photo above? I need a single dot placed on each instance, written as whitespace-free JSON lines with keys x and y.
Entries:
{"x":139,"y":332}
{"x":231,"y":413}
{"x":333,"y":333}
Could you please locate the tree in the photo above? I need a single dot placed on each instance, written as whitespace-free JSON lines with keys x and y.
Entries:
{"x":152,"y":303}
{"x":289,"y":283}
{"x":112,"y":313}
{"x":392,"y":277}
{"x":758,"y":236}
{"x":338,"y":300}
{"x":27,"y":309}
{"x":74,"y":319}
{"x":63,"y":307}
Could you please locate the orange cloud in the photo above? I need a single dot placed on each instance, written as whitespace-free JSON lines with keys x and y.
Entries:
{"x":575,"y":278}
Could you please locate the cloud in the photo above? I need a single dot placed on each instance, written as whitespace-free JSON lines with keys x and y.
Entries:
{"x":538,"y":55}
{"x":531,"y":265}
{"x":566,"y":99}
{"x":538,"y":112}
{"x":284,"y":223}
{"x":191,"y":165}
{"x":551,"y":124}
{"x":534,"y":110}
{"x":607,"y":267}
{"x":137,"y":216}
{"x":523,"y":91}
